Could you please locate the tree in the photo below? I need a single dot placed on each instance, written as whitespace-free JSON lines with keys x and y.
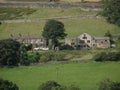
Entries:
{"x":112,"y":11}
{"x":54,"y":30}
{"x":108,"y":34}
{"x":9,"y":52}
{"x":23,"y":55}
{"x":7,"y":85}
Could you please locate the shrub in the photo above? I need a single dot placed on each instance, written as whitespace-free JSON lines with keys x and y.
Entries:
{"x":115,"y":86}
{"x":72,"y":87}
{"x":99,"y":57}
{"x":43,"y":59}
{"x":52,"y":56}
{"x":58,"y":57}
{"x":37,"y":57}
{"x":46,"y":57}
{"x":48,"y":85}
{"x":34,"y":57}
{"x":52,"y":85}
{"x":111,"y":56}
{"x":105,"y":85}
{"x":109,"y":85}
{"x":28,"y":47}
{"x":7,"y":85}
{"x":24,"y":56}
{"x":66,"y":47}
{"x":9,"y":52}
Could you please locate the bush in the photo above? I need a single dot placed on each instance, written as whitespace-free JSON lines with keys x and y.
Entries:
{"x":58,"y":57}
{"x":7,"y":85}
{"x":66,"y":47}
{"x":111,"y":56}
{"x":46,"y":57}
{"x":24,"y":56}
{"x":28,"y":47}
{"x":52,"y":56}
{"x":109,"y":85}
{"x":9,"y":52}
{"x":105,"y":85}
{"x":72,"y":87}
{"x":48,"y":85}
{"x":34,"y":58}
{"x":115,"y":86}
{"x":52,"y":85}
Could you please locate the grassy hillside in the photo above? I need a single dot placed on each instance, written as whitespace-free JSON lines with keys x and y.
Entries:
{"x":74,"y":27}
{"x":9,"y":13}
{"x":55,"y":12}
{"x":84,"y":75}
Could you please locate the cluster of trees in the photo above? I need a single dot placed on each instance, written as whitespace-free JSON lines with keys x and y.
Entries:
{"x":112,"y":11}
{"x":8,"y":85}
{"x":111,"y":56}
{"x":13,"y":53}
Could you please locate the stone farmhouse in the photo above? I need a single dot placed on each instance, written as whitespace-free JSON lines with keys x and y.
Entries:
{"x":37,"y":42}
{"x":83,"y":41}
{"x":87,"y":41}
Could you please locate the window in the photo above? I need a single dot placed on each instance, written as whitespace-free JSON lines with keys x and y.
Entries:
{"x":105,"y":40}
{"x":84,"y":37}
{"x":88,"y":41}
{"x":72,"y":43}
{"x":101,"y":41}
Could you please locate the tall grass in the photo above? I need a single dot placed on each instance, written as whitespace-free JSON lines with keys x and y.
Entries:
{"x":14,"y":13}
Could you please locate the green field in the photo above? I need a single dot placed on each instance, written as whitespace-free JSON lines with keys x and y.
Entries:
{"x":84,"y":75}
{"x":74,"y":27}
